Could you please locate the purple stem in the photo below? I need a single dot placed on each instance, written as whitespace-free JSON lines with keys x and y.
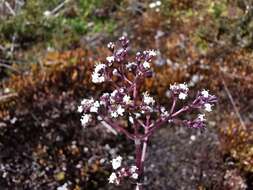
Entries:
{"x":120,"y":129}
{"x":163,"y":121}
{"x":141,"y":149}
{"x":186,"y":108}
{"x":173,"y":105}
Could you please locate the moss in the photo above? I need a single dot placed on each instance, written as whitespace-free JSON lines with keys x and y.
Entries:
{"x":30,"y":25}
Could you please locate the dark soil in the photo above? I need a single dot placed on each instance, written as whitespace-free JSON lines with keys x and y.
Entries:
{"x":46,"y":147}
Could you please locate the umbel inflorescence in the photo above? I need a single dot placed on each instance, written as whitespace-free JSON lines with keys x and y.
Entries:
{"x":126,"y":101}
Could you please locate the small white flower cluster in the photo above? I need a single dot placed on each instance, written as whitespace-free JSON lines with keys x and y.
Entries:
{"x":164,"y":112}
{"x":135,"y":115}
{"x":205,"y":93}
{"x":88,"y":105}
{"x":180,"y":89}
{"x":147,"y":99}
{"x":113,"y":95}
{"x":151,"y":52}
{"x":116,"y":162}
{"x":113,"y":178}
{"x":130,"y":65}
{"x":127,"y":99}
{"x":155,"y":5}
{"x":111,"y":45}
{"x":133,"y":171}
{"x":115,"y":72}
{"x":207,"y":106}
{"x":85,"y":119}
{"x":94,"y":107}
{"x":131,"y":119}
{"x":116,"y":176}
{"x":146,"y":65}
{"x":116,"y":102}
{"x":97,"y":75}
{"x":110,"y":59}
{"x":119,"y":111}
{"x":201,"y":117}
{"x":148,"y":103}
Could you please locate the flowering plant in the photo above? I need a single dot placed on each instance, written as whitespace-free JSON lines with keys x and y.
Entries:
{"x":127,"y":101}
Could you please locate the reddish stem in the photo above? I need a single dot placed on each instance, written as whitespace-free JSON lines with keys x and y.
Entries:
{"x":120,"y":129}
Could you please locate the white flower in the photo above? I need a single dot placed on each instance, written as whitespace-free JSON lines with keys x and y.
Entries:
{"x":97,"y":104}
{"x":183,"y":86}
{"x":130,"y":65}
{"x":120,"y":110}
{"x":134,"y":176}
{"x":113,"y":178}
{"x":164,"y":111}
{"x":173,"y":87}
{"x":110,"y":59}
{"x":180,"y":89}
{"x":121,"y":90}
{"x":86,"y":118}
{"x":126,"y":99}
{"x":131,"y":119}
{"x":99,"y":67}
{"x":147,"y":108}
{"x":63,"y":187}
{"x":106,"y":94}
{"x":87,"y":102}
{"x":114,"y":114}
{"x":96,"y":76}
{"x":95,"y":107}
{"x":182,"y":96}
{"x":201,"y":117}
{"x":137,"y":115}
{"x":114,"y":93}
{"x":110,"y":45}
{"x":147,"y":99}
{"x":133,"y":169}
{"x":205,"y":93}
{"x":146,"y":65}
{"x":120,"y":51}
{"x":116,"y":162}
{"x":123,"y":170}
{"x":103,"y":102}
{"x":150,"y":52}
{"x":115,"y":72}
{"x":208,"y":107}
{"x":80,"y":109}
